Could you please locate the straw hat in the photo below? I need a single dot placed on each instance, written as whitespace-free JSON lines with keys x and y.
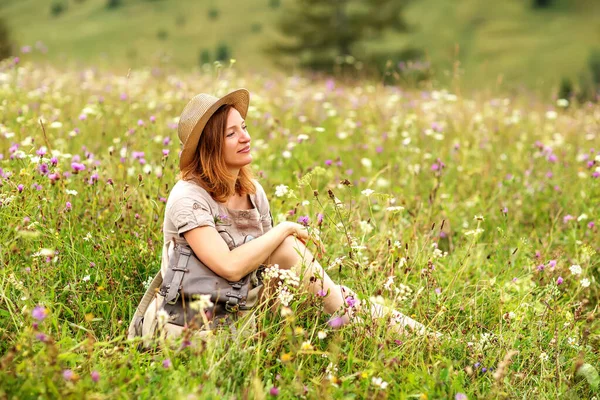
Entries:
{"x":196,"y":114}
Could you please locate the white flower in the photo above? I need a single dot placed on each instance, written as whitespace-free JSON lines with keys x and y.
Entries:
{"x":544,"y":357}
{"x":201,"y":302}
{"x":474,"y":232}
{"x":394,"y":208}
{"x":162,"y":317}
{"x":379,"y":382}
{"x":585,"y":282}
{"x":366,"y":227}
{"x":86,"y":278}
{"x":281,"y":190}
{"x":478,"y":218}
{"x":575,"y":269}
{"x":367,"y":163}
{"x":71,"y":192}
{"x":572,"y":341}
{"x":582,"y":217}
{"x":368,"y":192}
{"x":286,"y":154}
{"x":389,"y":282}
{"x":322,"y":335}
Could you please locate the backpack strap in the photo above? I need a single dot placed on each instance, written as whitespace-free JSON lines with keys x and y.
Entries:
{"x":135,"y":327}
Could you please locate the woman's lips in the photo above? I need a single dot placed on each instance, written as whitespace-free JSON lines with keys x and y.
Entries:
{"x":245,"y":150}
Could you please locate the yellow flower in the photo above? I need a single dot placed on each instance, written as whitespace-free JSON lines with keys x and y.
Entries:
{"x":423,"y":396}
{"x":299,"y":330}
{"x":286,"y":357}
{"x":364,"y":375}
{"x":306,"y":346}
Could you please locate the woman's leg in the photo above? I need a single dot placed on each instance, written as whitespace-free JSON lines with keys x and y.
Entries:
{"x":292,"y":254}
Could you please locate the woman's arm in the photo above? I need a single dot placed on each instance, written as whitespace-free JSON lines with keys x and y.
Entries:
{"x":233,"y":265}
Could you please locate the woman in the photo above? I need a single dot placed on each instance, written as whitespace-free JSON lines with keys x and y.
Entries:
{"x":223,"y":215}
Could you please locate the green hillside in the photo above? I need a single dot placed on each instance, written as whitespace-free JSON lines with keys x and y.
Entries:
{"x":507,"y":40}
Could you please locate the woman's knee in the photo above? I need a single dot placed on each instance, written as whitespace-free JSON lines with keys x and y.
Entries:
{"x":288,"y":254}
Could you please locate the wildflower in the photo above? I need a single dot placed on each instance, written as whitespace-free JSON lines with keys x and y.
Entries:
{"x":68,"y":375}
{"x":321,"y":335}
{"x":575,"y":269}
{"x":274,"y":391}
{"x":368,"y":192}
{"x":394,"y":208}
{"x":20,"y":188}
{"x":68,"y":206}
{"x":544,"y":357}
{"x":201,"y":302}
{"x":379,"y":382}
{"x":286,"y":357}
{"x":165,"y":152}
{"x":335,"y":322}
{"x":71,"y":192}
{"x":95,"y":376}
{"x":321,"y":293}
{"x":559,"y":280}
{"x":461,"y":396}
{"x":299,"y":331}
{"x":281,"y":190}
{"x":306,"y":346}
{"x":304,"y":220}
{"x":162,"y":317}
{"x":77,"y":167}
{"x":40,"y":313}
{"x":478,"y":218}
{"x":552,"y":264}
{"x":585,"y":282}
{"x":351,"y":301}
{"x":319,"y":219}
{"x":166,"y":363}
{"x":568,"y":218}
{"x":41,"y":337}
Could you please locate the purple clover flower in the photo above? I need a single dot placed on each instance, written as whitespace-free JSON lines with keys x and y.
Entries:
{"x":304,"y":220}
{"x":351,"y":301}
{"x":95,"y":376}
{"x":274,"y":391}
{"x":166,"y":363}
{"x":40,"y":313}
{"x":68,"y":374}
{"x":559,"y":280}
{"x":335,"y":322}
{"x":77,"y":167}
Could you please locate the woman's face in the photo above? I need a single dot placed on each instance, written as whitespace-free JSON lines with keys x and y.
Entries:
{"x":236,"y":146}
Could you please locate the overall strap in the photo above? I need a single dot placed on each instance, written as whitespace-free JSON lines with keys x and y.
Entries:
{"x":173,"y":287}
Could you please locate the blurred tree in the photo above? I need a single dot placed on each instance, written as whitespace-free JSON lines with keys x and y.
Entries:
{"x":213,"y":13}
{"x":323,"y":34}
{"x":6,"y":47}
{"x":594,"y":65}
{"x":204,"y":57}
{"x":566,"y":90}
{"x":223,"y":52}
{"x":162,"y":34}
{"x":542,"y":3}
{"x":113,"y":3}
{"x":274,"y":3}
{"x":57,"y":8}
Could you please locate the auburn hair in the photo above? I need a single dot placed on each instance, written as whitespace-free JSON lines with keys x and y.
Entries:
{"x":208,"y":168}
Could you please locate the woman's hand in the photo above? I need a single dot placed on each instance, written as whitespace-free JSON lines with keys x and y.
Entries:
{"x":296,"y":230}
{"x":301,"y":233}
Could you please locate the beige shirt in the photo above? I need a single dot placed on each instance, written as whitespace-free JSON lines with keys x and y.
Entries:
{"x":190,"y":206}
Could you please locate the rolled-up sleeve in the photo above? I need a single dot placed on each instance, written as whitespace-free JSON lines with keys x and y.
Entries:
{"x":188,"y":213}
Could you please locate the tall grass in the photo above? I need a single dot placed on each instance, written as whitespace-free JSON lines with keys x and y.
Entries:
{"x":480,"y":209}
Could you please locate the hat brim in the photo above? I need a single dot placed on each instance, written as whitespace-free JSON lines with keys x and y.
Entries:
{"x":239,"y":99}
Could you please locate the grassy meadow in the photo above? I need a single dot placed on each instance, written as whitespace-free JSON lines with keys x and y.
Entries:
{"x":503,"y":45}
{"x":476,"y":215}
